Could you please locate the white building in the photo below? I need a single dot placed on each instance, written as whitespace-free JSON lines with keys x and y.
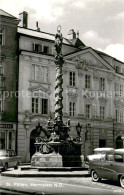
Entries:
{"x":93,"y":84}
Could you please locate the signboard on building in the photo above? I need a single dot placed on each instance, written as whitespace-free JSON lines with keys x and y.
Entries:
{"x":6,"y":126}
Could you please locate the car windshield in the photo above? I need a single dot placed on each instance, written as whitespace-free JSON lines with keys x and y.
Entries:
{"x":3,"y":153}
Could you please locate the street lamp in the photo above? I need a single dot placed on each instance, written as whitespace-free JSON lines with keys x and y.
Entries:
{"x":78,"y":129}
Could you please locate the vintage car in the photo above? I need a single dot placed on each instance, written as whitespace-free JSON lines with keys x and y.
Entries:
{"x":8,"y":159}
{"x":98,"y":153}
{"x":111,"y":167}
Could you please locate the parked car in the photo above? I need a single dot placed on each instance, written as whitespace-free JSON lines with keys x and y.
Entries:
{"x":98,"y":154}
{"x":9,"y":159}
{"x":111,"y":167}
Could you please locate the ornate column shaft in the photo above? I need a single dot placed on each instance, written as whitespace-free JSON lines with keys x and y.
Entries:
{"x":59,"y":80}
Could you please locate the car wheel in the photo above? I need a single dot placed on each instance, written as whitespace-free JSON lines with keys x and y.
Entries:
{"x":6,"y":167}
{"x":122,"y":181}
{"x":16,"y":166}
{"x":95,"y":176}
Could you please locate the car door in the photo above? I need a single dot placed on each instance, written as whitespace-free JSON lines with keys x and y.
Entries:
{"x":107,"y":167}
{"x":118,"y":165}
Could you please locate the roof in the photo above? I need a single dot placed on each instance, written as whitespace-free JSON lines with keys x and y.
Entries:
{"x":77,"y":43}
{"x":39,"y":34}
{"x":3,"y":13}
{"x":102,"y":53}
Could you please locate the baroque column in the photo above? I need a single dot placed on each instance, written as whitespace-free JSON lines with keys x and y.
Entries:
{"x":59,"y":80}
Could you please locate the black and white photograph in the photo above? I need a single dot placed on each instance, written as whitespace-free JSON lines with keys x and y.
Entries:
{"x":62,"y":97}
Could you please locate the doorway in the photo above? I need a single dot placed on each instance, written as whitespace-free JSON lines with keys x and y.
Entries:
{"x":119,"y":142}
{"x":34,"y":134}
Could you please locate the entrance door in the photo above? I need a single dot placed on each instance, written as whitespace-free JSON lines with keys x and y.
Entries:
{"x":33,"y":136}
{"x":119,"y":142}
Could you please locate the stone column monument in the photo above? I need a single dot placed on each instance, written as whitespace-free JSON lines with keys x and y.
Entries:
{"x":57,"y":148}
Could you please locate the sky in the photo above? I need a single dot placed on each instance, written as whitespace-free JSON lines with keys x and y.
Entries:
{"x":100,"y":22}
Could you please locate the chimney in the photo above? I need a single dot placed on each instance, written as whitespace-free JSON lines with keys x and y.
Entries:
{"x":78,"y":34}
{"x":71,"y":34}
{"x":24,"y":19}
{"x":38,"y":29}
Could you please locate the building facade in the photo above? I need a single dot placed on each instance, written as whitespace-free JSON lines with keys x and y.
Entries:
{"x":8,"y":80}
{"x":93,"y":86}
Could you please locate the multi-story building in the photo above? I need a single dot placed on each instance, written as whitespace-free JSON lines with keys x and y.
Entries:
{"x":92,"y":90}
{"x":93,"y":85}
{"x":8,"y":80}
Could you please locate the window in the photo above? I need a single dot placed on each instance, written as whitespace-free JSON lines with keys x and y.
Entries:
{"x":118,"y":90}
{"x":118,"y":158}
{"x":102,"y":112}
{"x":35,"y":72}
{"x":121,"y":90}
{"x":102,"y":84}
{"x":87,"y":81}
{"x":46,"y":49}
{"x":40,"y":48}
{"x":39,"y":108}
{"x":72,"y":79}
{"x":88,"y":111}
{"x":39,"y":73}
{"x":1,"y":68}
{"x":34,"y":105}
{"x":0,"y":105}
{"x":37,"y":48}
{"x":44,"y":73}
{"x":109,"y":157}
{"x":2,"y":140}
{"x":44,"y":106}
{"x":119,"y":116}
{"x":1,"y":102}
{"x":1,"y":36}
{"x":72,"y":108}
{"x":10,"y":140}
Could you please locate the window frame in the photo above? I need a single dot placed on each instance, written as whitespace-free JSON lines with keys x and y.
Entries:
{"x":102,"y":84}
{"x":44,"y":110}
{"x":72,"y":78}
{"x":102,"y":112}
{"x":2,"y":35}
{"x":119,"y":116}
{"x":35,"y":105}
{"x":72,"y":109}
{"x":88,"y":110}
{"x":5,"y":141}
{"x":40,"y":73}
{"x":1,"y":103}
{"x":88,"y":81}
